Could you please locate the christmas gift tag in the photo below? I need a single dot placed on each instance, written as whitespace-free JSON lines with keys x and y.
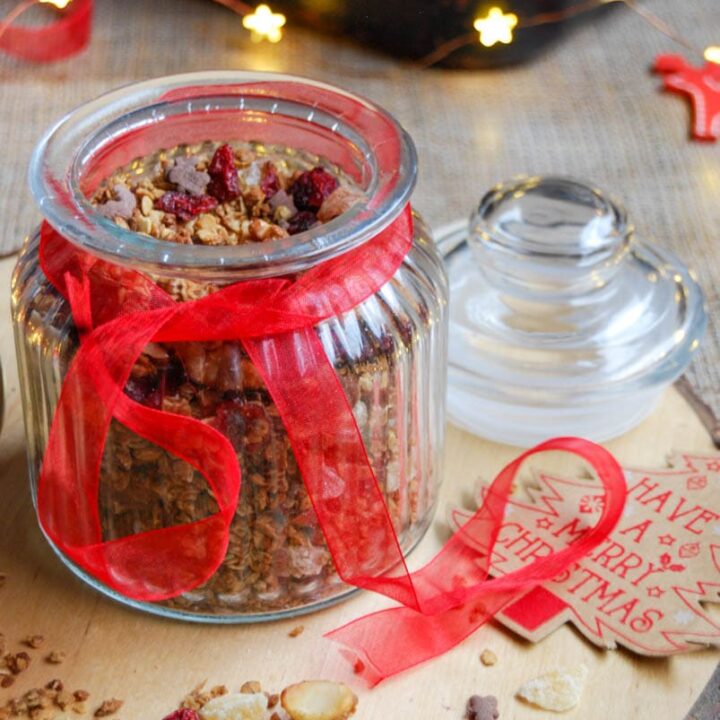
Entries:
{"x":645,"y":586}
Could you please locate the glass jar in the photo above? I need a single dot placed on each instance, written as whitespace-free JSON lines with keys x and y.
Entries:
{"x":388,"y":352}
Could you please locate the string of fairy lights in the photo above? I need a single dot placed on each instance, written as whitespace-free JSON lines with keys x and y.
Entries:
{"x":496,"y":26}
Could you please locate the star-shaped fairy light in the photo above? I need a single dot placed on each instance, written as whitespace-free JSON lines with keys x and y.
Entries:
{"x":264,"y":24}
{"x":496,"y":27}
{"x":712,"y":54}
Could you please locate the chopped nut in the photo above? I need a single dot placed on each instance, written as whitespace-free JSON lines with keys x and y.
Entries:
{"x":34,"y":641}
{"x":298,"y":630}
{"x":54,"y":685}
{"x":488,"y":657}
{"x":6,"y":681}
{"x":557,"y":690}
{"x":17,"y":663}
{"x":108,"y":707}
{"x":318,"y":700}
{"x":81,"y":695}
{"x":235,"y":706}
{"x":55,"y":657}
{"x":273,"y":700}
{"x":338,"y":202}
{"x":63,"y":699}
{"x":251,"y":686}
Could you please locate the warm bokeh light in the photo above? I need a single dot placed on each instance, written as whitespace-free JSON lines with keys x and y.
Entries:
{"x":60,"y":4}
{"x":712,"y":54}
{"x":497,"y":27}
{"x":264,"y":24}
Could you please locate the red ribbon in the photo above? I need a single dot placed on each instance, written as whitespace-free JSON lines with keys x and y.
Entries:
{"x":55,"y":41}
{"x":119,"y":311}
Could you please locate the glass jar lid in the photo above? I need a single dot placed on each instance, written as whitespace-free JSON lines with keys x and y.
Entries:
{"x":562,"y":322}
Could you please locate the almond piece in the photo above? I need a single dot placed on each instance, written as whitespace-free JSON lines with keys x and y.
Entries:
{"x":558,"y":690}
{"x":319,"y":700}
{"x":235,"y":706}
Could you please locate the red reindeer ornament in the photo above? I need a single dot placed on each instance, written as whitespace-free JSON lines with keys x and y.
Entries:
{"x":702,"y":84}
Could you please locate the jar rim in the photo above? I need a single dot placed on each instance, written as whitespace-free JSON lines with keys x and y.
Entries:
{"x":374,"y":138}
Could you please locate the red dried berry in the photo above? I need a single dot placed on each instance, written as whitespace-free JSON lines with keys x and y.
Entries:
{"x":146,"y":391}
{"x":224,"y":184}
{"x":182,"y":714}
{"x":301,"y":221}
{"x":270,"y":182}
{"x":185,"y":206}
{"x":311,"y":188}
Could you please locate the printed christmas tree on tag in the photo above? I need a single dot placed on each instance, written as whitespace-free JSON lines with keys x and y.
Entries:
{"x":644,"y":587}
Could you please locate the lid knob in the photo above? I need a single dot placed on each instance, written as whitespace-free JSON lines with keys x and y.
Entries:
{"x":552,"y":237}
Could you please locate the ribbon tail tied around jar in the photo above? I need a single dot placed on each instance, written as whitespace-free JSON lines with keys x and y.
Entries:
{"x":118,"y":312}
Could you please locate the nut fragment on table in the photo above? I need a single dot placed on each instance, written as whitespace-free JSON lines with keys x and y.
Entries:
{"x":318,"y":700}
{"x":235,"y":706}
{"x":34,"y":641}
{"x":557,"y":690}
{"x":488,"y":658}
{"x":55,"y":657}
{"x":17,"y":662}
{"x":108,"y":707}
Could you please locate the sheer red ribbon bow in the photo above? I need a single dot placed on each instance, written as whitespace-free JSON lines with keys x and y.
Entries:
{"x":119,"y":311}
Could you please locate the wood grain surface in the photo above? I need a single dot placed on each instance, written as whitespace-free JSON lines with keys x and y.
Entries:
{"x":589,"y":108}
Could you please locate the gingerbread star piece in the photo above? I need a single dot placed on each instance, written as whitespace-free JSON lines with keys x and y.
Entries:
{"x":701,"y":84}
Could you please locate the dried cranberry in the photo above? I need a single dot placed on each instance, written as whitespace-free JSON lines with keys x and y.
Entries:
{"x":224,"y":184}
{"x":270,"y":182}
{"x":230,"y":421}
{"x":182,"y":714}
{"x":311,"y":188}
{"x":301,"y":221}
{"x":173,"y":376}
{"x":145,"y":391}
{"x":185,"y":206}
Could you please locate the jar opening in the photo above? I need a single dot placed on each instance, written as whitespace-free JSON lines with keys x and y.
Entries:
{"x":90,"y":143}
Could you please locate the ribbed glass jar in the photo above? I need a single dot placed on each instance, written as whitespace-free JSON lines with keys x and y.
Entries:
{"x":389,"y":352}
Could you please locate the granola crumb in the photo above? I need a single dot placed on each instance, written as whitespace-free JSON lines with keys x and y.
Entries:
{"x":108,"y":707}
{"x":81,"y":695}
{"x":55,"y":657}
{"x":273,"y":700}
{"x":251,"y":686}
{"x":6,"y":681}
{"x":17,"y":662}
{"x":488,"y":658}
{"x":298,"y":630}
{"x":34,"y":641}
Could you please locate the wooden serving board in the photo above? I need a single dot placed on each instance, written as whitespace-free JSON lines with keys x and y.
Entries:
{"x":151,"y":663}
